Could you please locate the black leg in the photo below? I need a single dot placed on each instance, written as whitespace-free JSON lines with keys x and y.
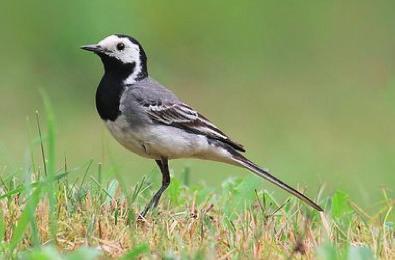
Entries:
{"x":164,"y":168}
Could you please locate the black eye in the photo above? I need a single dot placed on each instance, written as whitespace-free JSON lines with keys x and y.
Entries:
{"x":120,"y":46}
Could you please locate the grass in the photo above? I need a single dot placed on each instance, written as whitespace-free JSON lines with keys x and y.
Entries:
{"x":50,"y":213}
{"x":98,"y":218}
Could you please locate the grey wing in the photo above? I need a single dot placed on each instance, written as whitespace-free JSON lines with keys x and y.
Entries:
{"x":141,"y":94}
{"x":150,"y":101}
{"x":182,"y":116}
{"x":150,"y":91}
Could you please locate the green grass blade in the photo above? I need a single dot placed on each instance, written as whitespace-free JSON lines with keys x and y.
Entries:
{"x":51,"y":171}
{"x":22,"y":188}
{"x":24,"y":219}
{"x":101,"y":187}
{"x":136,"y":252}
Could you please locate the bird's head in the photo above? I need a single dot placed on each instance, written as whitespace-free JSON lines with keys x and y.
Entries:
{"x":121,"y":54}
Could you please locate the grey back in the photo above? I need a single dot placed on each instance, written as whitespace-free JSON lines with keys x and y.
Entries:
{"x":143,"y":94}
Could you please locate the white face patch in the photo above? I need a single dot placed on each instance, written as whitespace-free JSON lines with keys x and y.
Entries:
{"x":129,"y":54}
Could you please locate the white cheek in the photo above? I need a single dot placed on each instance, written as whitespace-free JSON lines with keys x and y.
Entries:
{"x":133,"y":57}
{"x":128,"y":55}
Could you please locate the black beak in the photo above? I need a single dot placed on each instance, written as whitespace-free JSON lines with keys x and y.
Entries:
{"x":93,"y":48}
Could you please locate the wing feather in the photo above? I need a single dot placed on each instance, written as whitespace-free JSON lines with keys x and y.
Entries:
{"x":182,"y":116}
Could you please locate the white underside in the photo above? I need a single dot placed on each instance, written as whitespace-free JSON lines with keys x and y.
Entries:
{"x":161,"y":141}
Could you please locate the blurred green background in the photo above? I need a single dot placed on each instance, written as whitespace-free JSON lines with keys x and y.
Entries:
{"x":307,"y":86}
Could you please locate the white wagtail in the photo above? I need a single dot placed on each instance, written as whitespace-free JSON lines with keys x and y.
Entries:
{"x":149,"y":120}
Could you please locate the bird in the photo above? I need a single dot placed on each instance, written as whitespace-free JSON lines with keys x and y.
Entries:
{"x":150,"y":120}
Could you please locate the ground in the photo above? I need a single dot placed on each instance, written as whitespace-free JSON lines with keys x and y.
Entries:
{"x":99,"y":220}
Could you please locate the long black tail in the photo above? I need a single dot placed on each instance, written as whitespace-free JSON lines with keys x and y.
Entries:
{"x":244,"y":162}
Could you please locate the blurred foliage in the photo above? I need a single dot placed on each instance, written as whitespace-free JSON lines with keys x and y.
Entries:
{"x":307,"y":86}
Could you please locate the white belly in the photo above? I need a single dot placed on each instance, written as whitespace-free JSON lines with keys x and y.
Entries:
{"x":156,"y":141}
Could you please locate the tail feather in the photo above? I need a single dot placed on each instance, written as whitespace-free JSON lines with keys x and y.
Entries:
{"x":244,"y":162}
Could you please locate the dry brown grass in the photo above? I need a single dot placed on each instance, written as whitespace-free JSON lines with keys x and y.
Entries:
{"x":88,"y":216}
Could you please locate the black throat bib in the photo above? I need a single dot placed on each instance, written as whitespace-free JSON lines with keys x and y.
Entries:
{"x":111,"y":87}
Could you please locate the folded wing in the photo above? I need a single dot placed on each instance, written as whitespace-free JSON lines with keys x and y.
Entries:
{"x":182,"y":116}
